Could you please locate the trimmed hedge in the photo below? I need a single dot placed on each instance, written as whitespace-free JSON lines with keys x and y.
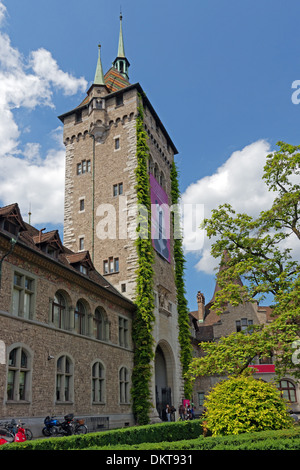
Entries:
{"x":149,"y":434}
{"x":265,"y":440}
{"x":167,"y":436}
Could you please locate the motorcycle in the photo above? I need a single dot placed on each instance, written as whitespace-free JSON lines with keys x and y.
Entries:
{"x":54,"y":426}
{"x":50,"y":428}
{"x":20,"y":435}
{"x":65,"y":428}
{"x":13,"y":432}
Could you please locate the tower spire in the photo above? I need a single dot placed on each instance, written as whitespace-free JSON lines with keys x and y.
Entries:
{"x":99,"y":77}
{"x":121,"y":49}
{"x":121,"y":63}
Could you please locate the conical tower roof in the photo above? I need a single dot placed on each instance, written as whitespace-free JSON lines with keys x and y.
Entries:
{"x":121,"y":62}
{"x":99,"y":77}
{"x":121,"y":49}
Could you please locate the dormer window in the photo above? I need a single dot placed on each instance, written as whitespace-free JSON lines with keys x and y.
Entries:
{"x":83,"y":269}
{"x":10,"y":227}
{"x":49,"y":250}
{"x":49,"y":243}
{"x":11,"y":220}
{"x":81,"y":262}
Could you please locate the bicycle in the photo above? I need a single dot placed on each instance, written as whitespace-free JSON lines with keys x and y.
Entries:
{"x":79,"y":427}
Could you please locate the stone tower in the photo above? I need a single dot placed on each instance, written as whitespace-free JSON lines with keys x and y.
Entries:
{"x":101,"y":203}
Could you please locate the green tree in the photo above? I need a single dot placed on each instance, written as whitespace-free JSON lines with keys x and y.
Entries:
{"x":255,"y":251}
{"x":243,"y":404}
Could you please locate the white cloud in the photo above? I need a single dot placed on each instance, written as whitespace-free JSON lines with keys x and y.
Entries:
{"x":46,"y":68}
{"x":237,"y":182}
{"x":28,"y":176}
{"x":35,"y":182}
{"x":2,"y":13}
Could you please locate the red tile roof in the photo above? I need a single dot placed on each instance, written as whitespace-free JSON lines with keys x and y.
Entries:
{"x":34,"y":239}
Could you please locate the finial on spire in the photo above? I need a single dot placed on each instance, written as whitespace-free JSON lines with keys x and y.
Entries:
{"x":99,"y":77}
{"x":121,"y":49}
{"x":121,"y":63}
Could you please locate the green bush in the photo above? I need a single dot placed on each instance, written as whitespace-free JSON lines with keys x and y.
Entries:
{"x":244,"y":404}
{"x":266,"y":440}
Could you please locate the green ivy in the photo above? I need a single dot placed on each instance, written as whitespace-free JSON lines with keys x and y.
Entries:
{"x":144,"y":316}
{"x":182,"y":305}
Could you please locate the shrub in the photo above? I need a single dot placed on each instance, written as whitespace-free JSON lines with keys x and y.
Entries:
{"x":154,"y":433}
{"x":244,"y":404}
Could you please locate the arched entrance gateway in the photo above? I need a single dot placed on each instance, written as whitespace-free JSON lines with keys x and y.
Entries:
{"x":164,"y":378}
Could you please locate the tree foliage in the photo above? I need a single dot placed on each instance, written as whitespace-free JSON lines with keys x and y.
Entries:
{"x":243,"y":404}
{"x":258,"y":252}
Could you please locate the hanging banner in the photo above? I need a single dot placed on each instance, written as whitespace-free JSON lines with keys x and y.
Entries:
{"x":160,"y":219}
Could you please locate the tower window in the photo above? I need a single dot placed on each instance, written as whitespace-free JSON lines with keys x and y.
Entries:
{"x":117,"y":143}
{"x":81,"y":205}
{"x":111,"y":265}
{"x":105,"y":266}
{"x":81,"y":243}
{"x":119,"y":99}
{"x":78,"y":116}
{"x":84,"y":167}
{"x":117,"y":189}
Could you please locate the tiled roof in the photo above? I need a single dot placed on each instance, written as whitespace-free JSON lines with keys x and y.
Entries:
{"x":34,"y":239}
{"x":12,"y":212}
{"x":114,"y":80}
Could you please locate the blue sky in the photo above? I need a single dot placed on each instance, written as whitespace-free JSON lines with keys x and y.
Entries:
{"x":218,"y":72}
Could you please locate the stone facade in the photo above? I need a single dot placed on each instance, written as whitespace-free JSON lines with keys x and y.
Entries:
{"x":31,"y":279}
{"x":106,"y":138}
{"x":55,"y":345}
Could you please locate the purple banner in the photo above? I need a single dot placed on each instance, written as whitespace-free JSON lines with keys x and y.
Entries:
{"x":160,"y":219}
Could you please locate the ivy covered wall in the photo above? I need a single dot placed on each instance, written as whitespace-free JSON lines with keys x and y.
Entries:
{"x":144,"y":317}
{"x":182,"y":305}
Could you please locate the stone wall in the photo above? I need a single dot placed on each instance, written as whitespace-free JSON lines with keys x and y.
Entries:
{"x":45,"y":343}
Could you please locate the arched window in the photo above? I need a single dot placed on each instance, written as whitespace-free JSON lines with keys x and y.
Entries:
{"x":98,"y":383}
{"x":162,"y":180}
{"x":59,"y":311}
{"x":150,"y":165}
{"x":19,"y":375}
{"x":80,"y":314}
{"x":99,"y":323}
{"x":124,"y":385}
{"x":288,"y":390}
{"x":64,"y":379}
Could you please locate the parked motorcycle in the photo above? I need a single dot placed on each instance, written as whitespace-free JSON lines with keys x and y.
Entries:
{"x":20,"y":435}
{"x":66,"y":428}
{"x":53,"y":426}
{"x":50,"y":428}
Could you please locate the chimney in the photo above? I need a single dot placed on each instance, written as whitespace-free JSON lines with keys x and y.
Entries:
{"x":201,"y":307}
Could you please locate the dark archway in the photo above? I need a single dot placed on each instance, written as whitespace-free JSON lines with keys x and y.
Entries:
{"x":162,"y":389}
